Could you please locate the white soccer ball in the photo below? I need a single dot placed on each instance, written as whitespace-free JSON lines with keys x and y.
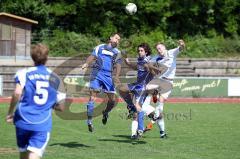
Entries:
{"x":131,"y":8}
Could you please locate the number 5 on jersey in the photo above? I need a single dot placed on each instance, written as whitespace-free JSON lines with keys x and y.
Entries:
{"x":41,"y":92}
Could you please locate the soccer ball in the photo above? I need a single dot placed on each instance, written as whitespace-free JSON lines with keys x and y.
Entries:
{"x":131,"y":8}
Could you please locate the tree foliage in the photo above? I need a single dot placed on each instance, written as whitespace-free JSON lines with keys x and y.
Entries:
{"x":159,"y":19}
{"x":99,"y":17}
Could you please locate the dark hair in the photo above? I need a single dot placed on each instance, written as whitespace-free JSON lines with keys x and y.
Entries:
{"x":115,"y":33}
{"x":39,"y":54}
{"x":111,"y":35}
{"x":146,"y":48}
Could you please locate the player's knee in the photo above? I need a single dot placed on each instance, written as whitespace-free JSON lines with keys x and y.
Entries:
{"x":135,"y":115}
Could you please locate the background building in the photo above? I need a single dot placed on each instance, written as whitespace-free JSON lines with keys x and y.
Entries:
{"x":15,"y":35}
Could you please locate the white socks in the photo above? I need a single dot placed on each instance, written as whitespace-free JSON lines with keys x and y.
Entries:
{"x":159,"y":109}
{"x":134,"y":127}
{"x":160,"y":122}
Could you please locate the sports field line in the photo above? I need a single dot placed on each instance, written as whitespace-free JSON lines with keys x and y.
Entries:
{"x":170,"y":100}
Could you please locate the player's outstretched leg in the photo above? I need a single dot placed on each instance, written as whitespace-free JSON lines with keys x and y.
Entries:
{"x":90,"y":109}
{"x":110,"y":105}
{"x":140,"y":124}
{"x":126,"y":95}
{"x":160,"y":120}
{"x":105,"y":112}
{"x":134,"y":126}
{"x":149,"y":110}
{"x":150,"y":124}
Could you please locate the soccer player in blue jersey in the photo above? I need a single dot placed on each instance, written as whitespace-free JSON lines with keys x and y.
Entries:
{"x":101,"y":78}
{"x":137,"y":89}
{"x":36,"y":94}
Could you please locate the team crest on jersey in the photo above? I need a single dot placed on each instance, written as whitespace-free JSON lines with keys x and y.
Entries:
{"x":106,"y":52}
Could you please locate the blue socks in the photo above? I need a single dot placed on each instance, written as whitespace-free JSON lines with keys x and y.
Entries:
{"x":90,"y":109}
{"x":141,"y":120}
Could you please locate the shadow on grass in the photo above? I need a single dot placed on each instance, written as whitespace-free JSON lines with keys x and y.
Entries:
{"x":127,"y":139}
{"x":123,"y":136}
{"x":70,"y":145}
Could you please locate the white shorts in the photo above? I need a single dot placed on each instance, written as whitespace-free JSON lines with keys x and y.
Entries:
{"x":166,"y":95}
{"x":163,"y":86}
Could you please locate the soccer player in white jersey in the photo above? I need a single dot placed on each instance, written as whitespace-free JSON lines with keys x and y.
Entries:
{"x":101,"y":78}
{"x":37,"y":92}
{"x":163,"y":84}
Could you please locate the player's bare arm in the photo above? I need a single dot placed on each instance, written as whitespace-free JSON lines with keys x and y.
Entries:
{"x":15,"y":98}
{"x":117,"y":76}
{"x":89,"y":60}
{"x":60,"y":106}
{"x":156,"y":70}
{"x":130,"y":64}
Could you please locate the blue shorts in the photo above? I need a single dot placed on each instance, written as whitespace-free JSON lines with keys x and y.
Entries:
{"x":102,"y":82}
{"x":139,"y":92}
{"x":34,"y":141}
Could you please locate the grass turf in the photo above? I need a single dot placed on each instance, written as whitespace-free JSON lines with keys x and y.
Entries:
{"x":198,"y":131}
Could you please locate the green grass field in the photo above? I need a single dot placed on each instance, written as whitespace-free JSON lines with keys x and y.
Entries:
{"x":196,"y":131}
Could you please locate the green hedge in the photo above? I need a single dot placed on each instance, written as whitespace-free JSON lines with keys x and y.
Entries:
{"x":63,"y":43}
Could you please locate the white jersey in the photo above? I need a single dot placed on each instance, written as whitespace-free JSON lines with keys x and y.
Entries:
{"x":170,"y":61}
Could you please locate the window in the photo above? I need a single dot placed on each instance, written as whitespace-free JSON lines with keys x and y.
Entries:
{"x":6,"y":32}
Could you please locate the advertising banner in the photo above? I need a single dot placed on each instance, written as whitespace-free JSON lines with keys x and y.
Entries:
{"x":195,"y":87}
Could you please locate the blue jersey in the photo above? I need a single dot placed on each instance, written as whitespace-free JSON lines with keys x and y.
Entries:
{"x":101,"y":75}
{"x":143,"y":75}
{"x":106,"y":57}
{"x":34,"y":110}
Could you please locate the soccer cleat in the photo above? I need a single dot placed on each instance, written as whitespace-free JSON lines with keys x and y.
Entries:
{"x":148,"y":127}
{"x":140,"y":133}
{"x":104,"y":118}
{"x":90,"y":128}
{"x":163,"y":135}
{"x":134,"y":137}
